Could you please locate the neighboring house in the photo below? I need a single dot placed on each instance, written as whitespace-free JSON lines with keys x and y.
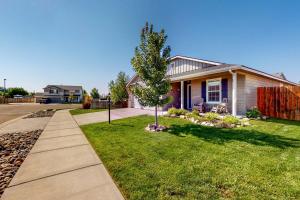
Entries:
{"x":196,"y":80}
{"x":63,"y":93}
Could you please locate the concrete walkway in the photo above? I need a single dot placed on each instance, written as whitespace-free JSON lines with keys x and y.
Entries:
{"x":62,"y":166}
{"x":115,"y":114}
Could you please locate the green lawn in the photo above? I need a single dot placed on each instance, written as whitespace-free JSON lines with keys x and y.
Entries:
{"x":80,"y":111}
{"x":193,"y":162}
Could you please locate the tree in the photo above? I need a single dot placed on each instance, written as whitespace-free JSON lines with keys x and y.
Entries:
{"x":150,"y":63}
{"x":85,"y":93}
{"x":16,"y":91}
{"x":95,"y":93}
{"x":117,"y":88}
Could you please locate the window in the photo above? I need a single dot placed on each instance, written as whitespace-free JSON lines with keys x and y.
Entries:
{"x":214,"y":91}
{"x":53,"y":91}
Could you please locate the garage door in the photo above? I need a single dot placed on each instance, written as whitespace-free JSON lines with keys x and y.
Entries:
{"x":136,"y":103}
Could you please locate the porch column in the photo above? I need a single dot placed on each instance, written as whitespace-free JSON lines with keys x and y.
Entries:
{"x":234,"y":93}
{"x":182,"y":94}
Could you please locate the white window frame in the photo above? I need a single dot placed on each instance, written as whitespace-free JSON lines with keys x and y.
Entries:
{"x":220,"y":86}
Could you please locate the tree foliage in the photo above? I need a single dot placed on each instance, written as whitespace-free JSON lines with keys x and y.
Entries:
{"x":16,"y":91}
{"x":117,"y":88}
{"x":150,"y":63}
{"x":95,"y":93}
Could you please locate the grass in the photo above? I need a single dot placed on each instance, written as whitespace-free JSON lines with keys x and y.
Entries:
{"x":193,"y":162}
{"x":80,"y":111}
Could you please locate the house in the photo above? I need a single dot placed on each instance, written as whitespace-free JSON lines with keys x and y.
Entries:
{"x":63,"y":93}
{"x":195,"y":81}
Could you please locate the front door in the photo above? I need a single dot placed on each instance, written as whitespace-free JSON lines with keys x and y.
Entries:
{"x":189,"y":96}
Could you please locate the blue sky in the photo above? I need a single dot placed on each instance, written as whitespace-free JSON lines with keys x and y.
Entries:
{"x":88,"y":42}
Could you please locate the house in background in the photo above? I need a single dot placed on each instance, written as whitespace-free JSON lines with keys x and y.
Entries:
{"x":63,"y":93}
{"x":196,"y":81}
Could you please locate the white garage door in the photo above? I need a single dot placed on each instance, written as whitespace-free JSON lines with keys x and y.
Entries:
{"x":136,"y":103}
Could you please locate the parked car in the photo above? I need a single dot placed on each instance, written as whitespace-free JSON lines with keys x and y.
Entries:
{"x":44,"y":100}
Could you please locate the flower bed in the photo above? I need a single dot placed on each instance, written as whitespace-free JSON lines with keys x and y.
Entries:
{"x":210,"y":118}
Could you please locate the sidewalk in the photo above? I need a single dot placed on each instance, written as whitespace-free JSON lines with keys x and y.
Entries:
{"x":62,"y":166}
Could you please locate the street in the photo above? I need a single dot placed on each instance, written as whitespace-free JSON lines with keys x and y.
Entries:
{"x":11,"y":111}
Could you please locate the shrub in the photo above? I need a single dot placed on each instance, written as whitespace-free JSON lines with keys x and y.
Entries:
{"x":195,"y":112}
{"x":86,"y":105}
{"x":87,"y":102}
{"x":210,"y":116}
{"x":229,"y":119}
{"x":253,"y":113}
{"x":177,"y":112}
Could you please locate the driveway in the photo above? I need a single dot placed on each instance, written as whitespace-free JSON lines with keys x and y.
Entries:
{"x":12,"y":111}
{"x":95,"y":117}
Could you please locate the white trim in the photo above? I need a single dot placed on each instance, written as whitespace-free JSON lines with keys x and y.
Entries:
{"x":182,"y":94}
{"x":234,"y":93}
{"x":195,"y":59}
{"x":132,"y":78}
{"x":220,"y":95}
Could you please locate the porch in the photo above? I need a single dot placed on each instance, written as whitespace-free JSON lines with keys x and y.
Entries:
{"x":210,"y":91}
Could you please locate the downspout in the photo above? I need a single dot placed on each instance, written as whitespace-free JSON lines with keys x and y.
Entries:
{"x":234,"y":92}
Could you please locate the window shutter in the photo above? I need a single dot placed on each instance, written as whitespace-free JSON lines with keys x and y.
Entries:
{"x":224,"y":89}
{"x":203,"y":90}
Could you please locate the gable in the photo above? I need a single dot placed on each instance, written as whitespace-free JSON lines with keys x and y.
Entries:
{"x":180,"y":65}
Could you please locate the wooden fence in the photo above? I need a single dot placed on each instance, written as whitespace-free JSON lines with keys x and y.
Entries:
{"x":17,"y":100}
{"x":96,"y":103}
{"x":279,"y":102}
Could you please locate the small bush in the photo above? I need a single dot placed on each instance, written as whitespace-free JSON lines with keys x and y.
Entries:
{"x":229,"y":119}
{"x":195,"y":112}
{"x":177,"y":112}
{"x":86,"y":105}
{"x":253,"y":113}
{"x":211,"y":116}
{"x":193,"y":115}
{"x":87,"y":102}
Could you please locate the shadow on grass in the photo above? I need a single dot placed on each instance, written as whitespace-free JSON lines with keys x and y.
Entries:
{"x":221,"y":136}
{"x":284,"y":121}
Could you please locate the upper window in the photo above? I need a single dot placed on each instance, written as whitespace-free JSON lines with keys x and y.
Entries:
{"x":214,"y":91}
{"x":53,"y":91}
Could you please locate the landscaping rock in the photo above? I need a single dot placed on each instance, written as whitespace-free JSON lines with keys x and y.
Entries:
{"x":14,"y":149}
{"x":207,"y":124}
{"x":153,"y":128}
{"x":264,"y":117}
{"x":41,"y":113}
{"x":182,"y":117}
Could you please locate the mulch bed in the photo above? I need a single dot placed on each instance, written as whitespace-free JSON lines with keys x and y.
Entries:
{"x":41,"y":113}
{"x":14,"y":147}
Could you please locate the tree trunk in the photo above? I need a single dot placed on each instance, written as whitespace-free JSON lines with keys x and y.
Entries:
{"x":156,"y":120}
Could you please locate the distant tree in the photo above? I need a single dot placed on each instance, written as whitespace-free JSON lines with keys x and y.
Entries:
{"x":95,"y":93}
{"x":117,"y":88}
{"x":16,"y":91}
{"x":85,"y":93}
{"x":31,"y":94}
{"x":150,"y":63}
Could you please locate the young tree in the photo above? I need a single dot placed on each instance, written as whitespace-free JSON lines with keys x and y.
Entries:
{"x":117,"y":88}
{"x":95,"y":93}
{"x":16,"y":91}
{"x":150,"y":63}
